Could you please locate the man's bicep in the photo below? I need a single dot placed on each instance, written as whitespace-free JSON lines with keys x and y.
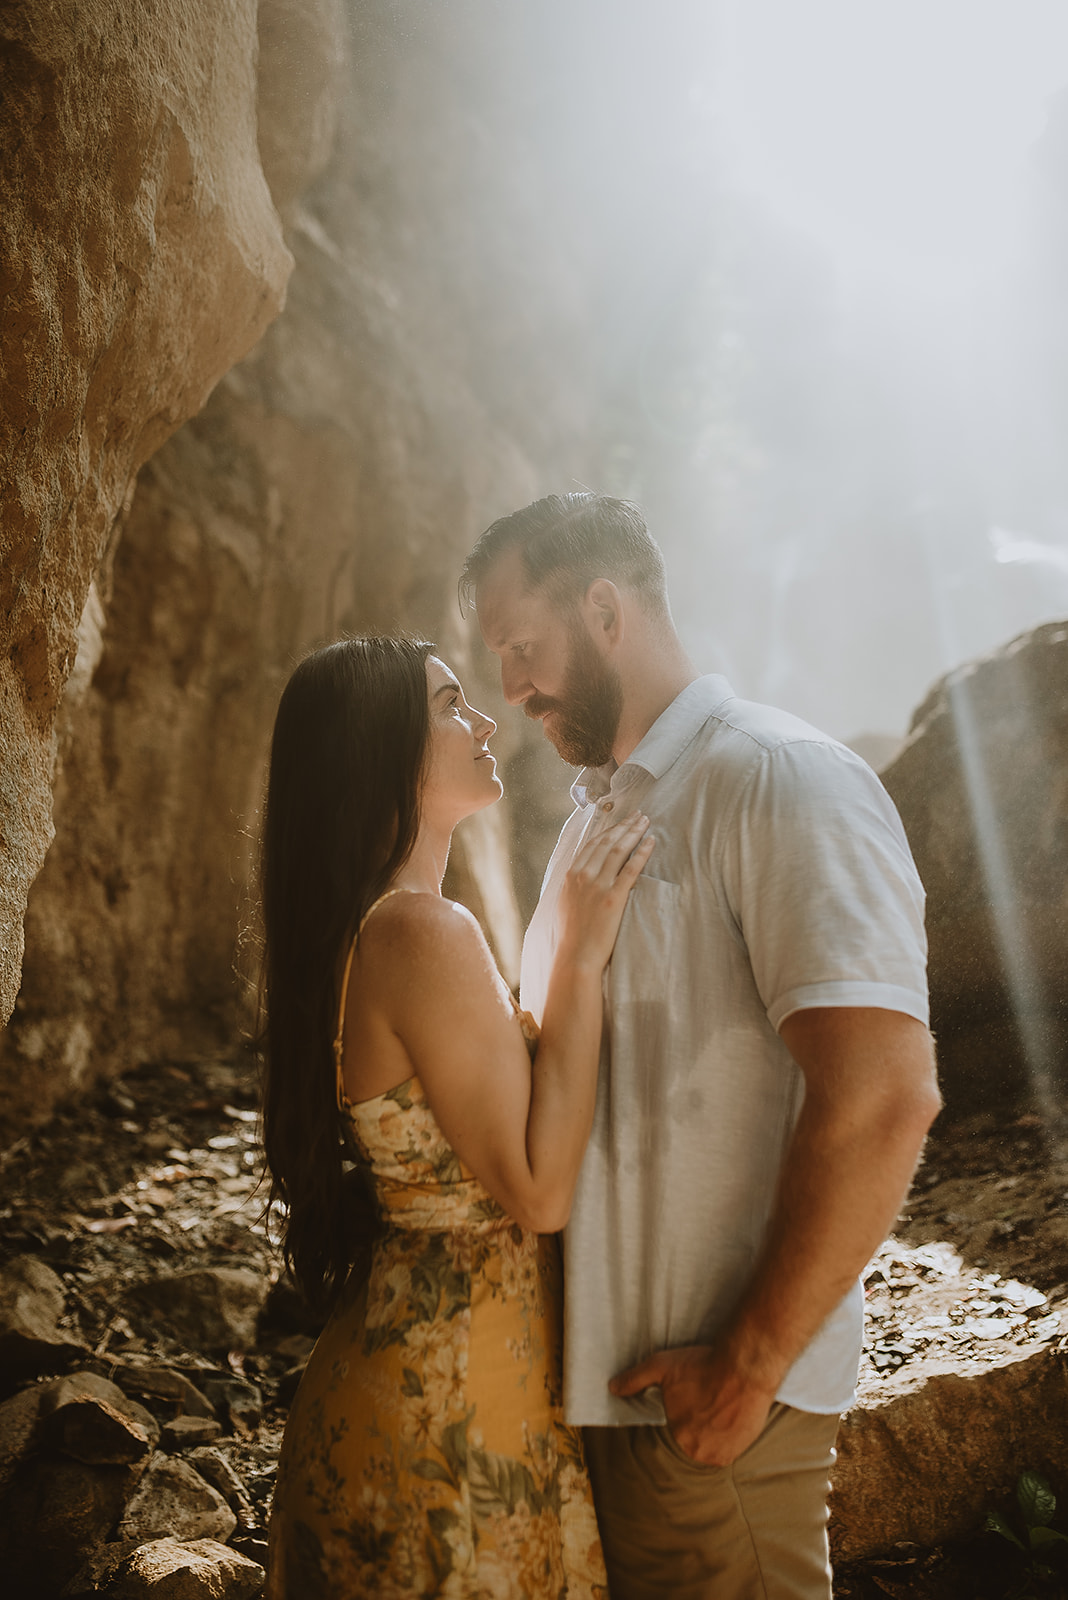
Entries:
{"x":861,"y":1051}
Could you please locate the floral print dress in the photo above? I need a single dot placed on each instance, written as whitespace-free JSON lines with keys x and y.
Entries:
{"x":425,"y":1453}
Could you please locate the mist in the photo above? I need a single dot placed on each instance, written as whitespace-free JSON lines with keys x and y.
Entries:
{"x":834,"y":346}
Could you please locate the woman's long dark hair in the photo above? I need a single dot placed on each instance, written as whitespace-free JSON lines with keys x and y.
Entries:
{"x":348,"y":757}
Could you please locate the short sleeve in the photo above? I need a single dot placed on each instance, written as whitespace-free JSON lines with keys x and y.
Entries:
{"x":822,"y":887}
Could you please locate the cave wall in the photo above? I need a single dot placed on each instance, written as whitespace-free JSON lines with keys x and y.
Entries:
{"x":413,"y":389}
{"x":140,"y":257}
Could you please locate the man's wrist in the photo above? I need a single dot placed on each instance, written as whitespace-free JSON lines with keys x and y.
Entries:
{"x":756,"y":1357}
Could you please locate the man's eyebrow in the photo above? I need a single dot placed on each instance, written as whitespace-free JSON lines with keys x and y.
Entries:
{"x":447,"y":688}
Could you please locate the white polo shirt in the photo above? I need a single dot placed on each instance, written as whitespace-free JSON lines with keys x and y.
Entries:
{"x":781,"y":879}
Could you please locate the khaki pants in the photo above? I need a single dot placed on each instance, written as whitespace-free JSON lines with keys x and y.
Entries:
{"x":756,"y":1530}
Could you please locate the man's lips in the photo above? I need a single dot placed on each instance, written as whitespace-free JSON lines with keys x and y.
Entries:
{"x":537,"y":709}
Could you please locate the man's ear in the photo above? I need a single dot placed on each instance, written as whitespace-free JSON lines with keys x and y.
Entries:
{"x":602,"y":607}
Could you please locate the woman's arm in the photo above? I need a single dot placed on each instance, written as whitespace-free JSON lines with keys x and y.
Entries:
{"x":521,"y":1128}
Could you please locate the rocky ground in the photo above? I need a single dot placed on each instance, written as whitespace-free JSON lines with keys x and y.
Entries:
{"x":144,"y":1203}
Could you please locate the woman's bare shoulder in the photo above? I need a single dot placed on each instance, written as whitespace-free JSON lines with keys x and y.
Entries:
{"x":414,"y":928}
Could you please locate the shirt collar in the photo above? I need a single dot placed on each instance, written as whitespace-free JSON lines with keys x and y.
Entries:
{"x":665,"y":741}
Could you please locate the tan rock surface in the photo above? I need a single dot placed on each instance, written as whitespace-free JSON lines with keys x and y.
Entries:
{"x":982,"y":787}
{"x":963,"y":1387}
{"x":140,"y":256}
{"x":335,"y":480}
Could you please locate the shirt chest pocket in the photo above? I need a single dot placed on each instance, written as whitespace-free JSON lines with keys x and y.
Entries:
{"x":642,"y":961}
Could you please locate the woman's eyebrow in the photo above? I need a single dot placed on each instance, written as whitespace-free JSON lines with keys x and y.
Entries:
{"x":447,"y":688}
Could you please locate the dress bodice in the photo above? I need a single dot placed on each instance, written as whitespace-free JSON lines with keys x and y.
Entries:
{"x":418,"y":1179}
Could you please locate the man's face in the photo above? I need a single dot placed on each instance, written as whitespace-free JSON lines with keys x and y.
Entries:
{"x":550,"y":665}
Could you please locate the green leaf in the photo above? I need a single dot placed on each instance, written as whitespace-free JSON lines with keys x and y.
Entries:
{"x":1046,"y":1536}
{"x":1036,"y":1499}
{"x":995,"y":1523}
{"x":411,"y":1384}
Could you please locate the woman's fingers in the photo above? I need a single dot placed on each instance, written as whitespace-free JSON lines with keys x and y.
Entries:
{"x":613,"y":848}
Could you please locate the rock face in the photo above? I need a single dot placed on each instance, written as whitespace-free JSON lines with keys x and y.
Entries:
{"x":140,"y":257}
{"x":962,"y":1387}
{"x":334,"y":480}
{"x":982,"y":787}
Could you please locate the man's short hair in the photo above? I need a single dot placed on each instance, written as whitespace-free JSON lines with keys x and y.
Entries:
{"x":566,"y":541}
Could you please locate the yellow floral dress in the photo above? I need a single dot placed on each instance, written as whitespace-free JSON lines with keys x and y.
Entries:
{"x":425,"y":1453}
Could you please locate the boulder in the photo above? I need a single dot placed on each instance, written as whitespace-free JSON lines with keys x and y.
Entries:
{"x":173,"y":1499}
{"x":167,"y":1390}
{"x":55,"y":1513}
{"x":32,"y":1300}
{"x":181,"y":1432}
{"x":963,"y":1387}
{"x":213,"y":1308}
{"x":91,"y":1419}
{"x":140,"y":257}
{"x":218,"y":1471}
{"x":18,"y":1426}
{"x":169,"y":1569}
{"x":236,"y":1401}
{"x":982,"y":788}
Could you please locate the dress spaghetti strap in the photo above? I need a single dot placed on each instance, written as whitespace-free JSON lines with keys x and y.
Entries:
{"x":339,"y":1036}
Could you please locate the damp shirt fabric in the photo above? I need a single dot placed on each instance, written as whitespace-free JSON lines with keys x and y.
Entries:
{"x":781,"y":879}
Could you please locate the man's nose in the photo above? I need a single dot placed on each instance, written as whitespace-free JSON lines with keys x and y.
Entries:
{"x":515,"y":685}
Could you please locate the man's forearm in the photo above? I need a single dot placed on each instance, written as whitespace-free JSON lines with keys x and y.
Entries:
{"x":870,"y":1098}
{"x":846,"y":1173}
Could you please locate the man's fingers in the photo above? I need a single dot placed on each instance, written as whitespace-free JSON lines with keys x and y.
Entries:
{"x":637,"y":1378}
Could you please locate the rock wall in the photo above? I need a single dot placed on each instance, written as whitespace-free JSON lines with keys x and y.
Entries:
{"x":140,"y":257}
{"x":334,"y":480}
{"x":982,"y":787}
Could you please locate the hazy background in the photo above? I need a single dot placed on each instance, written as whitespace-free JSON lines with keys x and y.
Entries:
{"x":832,"y":240}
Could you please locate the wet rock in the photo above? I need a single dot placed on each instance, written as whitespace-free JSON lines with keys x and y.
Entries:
{"x":174,"y":1500}
{"x":181,"y":1432}
{"x":202,"y":1569}
{"x":165,"y":1389}
{"x":32,"y":1300}
{"x":215,"y":1308}
{"x":91,"y":1419}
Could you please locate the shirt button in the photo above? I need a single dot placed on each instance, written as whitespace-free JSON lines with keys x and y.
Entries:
{"x":608,"y":805}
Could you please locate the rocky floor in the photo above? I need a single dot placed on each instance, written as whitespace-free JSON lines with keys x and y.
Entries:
{"x":145,"y":1200}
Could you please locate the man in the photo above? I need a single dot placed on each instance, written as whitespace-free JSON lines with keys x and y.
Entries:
{"x":767,"y":1077}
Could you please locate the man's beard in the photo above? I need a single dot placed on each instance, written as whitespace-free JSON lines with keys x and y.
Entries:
{"x":588,"y":709}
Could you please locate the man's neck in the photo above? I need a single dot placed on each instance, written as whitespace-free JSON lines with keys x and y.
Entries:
{"x":647,"y":698}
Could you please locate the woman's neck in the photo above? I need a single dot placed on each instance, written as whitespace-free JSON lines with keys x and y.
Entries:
{"x":425,"y":867}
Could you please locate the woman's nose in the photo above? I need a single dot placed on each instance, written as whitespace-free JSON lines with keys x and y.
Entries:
{"x":485,"y":727}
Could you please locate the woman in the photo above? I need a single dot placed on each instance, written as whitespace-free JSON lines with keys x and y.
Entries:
{"x":425,"y":1453}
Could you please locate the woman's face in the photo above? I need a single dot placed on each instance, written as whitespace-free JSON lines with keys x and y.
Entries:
{"x":461,"y":774}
